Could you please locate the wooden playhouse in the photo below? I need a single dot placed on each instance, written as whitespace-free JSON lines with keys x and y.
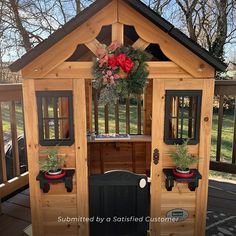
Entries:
{"x":57,"y":73}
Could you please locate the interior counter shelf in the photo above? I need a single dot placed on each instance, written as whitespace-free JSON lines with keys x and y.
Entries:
{"x":45,"y":182}
{"x":192,"y":181}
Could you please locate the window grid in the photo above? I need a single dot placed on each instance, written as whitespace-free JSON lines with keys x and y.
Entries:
{"x":185,"y":121}
{"x":50,"y":122}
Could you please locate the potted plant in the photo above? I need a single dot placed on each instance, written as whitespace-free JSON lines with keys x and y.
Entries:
{"x":182,"y":159}
{"x":52,"y":165}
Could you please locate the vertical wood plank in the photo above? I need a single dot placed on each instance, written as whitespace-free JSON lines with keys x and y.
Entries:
{"x":89,"y":103}
{"x":31,"y":121}
{"x":220,"y":124}
{"x":25,"y":144}
{"x":117,"y":117}
{"x":101,"y":157}
{"x":15,"y":149}
{"x":133,"y":158}
{"x":2,"y":152}
{"x":147,"y":158}
{"x":204,"y":156}
{"x":139,"y":114}
{"x":56,"y":123}
{"x":157,"y":142}
{"x":190,"y":121}
{"x":118,"y":32}
{"x":79,"y":100}
{"x":45,"y":110}
{"x":96,"y":128}
{"x":234,"y":140}
{"x":63,"y":111}
{"x":147,"y":123}
{"x":128,"y":115}
{"x":106,"y":117}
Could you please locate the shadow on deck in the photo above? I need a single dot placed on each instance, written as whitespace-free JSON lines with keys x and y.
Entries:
{"x":221,"y":215}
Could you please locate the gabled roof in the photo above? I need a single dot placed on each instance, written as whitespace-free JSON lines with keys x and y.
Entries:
{"x":97,"y":6}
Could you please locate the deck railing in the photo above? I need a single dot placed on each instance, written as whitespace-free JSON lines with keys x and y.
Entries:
{"x":13,"y":171}
{"x":225,"y":103}
{"x":13,"y":163}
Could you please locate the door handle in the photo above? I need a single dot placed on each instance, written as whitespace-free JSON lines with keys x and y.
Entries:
{"x":156,"y":156}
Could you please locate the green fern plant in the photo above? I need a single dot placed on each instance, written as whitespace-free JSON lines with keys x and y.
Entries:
{"x":181,"y":156}
{"x":52,"y":162}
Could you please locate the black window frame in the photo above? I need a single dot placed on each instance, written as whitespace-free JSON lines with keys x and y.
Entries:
{"x":182,"y":93}
{"x":55,"y":94}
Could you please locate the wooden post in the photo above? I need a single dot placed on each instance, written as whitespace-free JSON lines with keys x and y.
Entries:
{"x":157,"y":142}
{"x":220,"y":124}
{"x":2,"y":152}
{"x":31,"y":128}
{"x":128,"y":115}
{"x":234,"y":140}
{"x":16,"y":158}
{"x":96,"y":127}
{"x":79,"y":101}
{"x":139,"y":114}
{"x":118,"y":32}
{"x":117,"y":117}
{"x":106,"y":117}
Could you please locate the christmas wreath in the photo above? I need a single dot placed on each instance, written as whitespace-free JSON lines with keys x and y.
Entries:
{"x":119,"y":71}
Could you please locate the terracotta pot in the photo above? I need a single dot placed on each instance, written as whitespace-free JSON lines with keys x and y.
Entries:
{"x":55,"y":175}
{"x":122,"y":74}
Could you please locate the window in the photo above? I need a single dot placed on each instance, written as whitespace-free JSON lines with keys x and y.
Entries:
{"x":182,"y":116}
{"x":126,"y":117}
{"x":55,"y":118}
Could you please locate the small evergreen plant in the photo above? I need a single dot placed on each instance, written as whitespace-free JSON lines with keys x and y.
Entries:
{"x":181,"y":156}
{"x":52,"y":163}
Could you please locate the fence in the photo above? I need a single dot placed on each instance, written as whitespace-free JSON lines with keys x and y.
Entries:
{"x":225,"y":92}
{"x":13,"y":163}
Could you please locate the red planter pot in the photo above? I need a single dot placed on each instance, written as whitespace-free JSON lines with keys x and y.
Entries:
{"x":182,"y":175}
{"x":59,"y":176}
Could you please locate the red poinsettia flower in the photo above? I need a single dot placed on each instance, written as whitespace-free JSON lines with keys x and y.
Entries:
{"x":121,"y":58}
{"x":128,"y":65}
{"x":112,"y":61}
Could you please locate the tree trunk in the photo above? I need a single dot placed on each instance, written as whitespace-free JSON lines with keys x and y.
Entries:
{"x":222,"y":29}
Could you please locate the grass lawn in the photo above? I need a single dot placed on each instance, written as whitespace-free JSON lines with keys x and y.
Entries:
{"x":6,"y":119}
{"x":227,"y":131}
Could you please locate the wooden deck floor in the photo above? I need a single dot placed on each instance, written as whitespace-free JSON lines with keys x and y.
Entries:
{"x":221,"y":208}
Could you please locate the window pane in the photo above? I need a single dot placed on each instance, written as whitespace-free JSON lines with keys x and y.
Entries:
{"x":63,"y":107}
{"x":55,"y":117}
{"x":47,"y":107}
{"x":64,"y":128}
{"x":182,"y":115}
{"x":49,"y":129}
{"x":173,"y":131}
{"x":174,"y":104}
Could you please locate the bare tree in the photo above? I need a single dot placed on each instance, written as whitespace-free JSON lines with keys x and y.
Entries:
{"x":159,"y":5}
{"x":211,"y":23}
{"x":25,"y":23}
